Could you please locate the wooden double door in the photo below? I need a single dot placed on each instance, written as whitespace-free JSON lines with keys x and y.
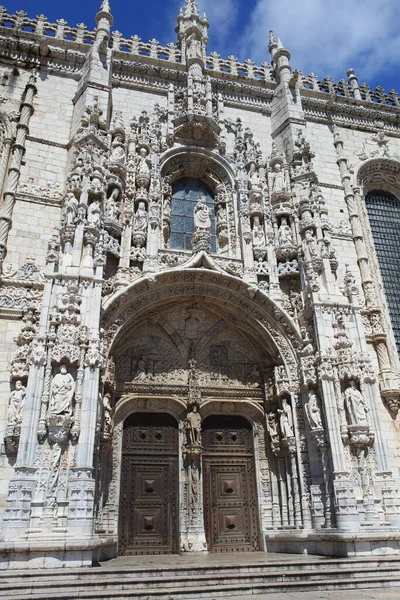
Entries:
{"x":148,"y":512}
{"x":230,"y":491}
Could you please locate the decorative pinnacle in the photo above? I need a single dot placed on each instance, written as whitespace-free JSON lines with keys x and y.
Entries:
{"x":105,"y":6}
{"x":105,"y":12}
{"x":191,"y":8}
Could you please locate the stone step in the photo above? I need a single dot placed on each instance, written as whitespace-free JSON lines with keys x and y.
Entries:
{"x":211,"y":568}
{"x":141,"y":585}
{"x":212,"y":592}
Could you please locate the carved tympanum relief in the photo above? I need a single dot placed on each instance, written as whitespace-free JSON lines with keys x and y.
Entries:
{"x":158,"y":351}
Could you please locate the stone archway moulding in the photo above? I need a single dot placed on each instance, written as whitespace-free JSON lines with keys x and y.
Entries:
{"x":145,"y":295}
{"x":191,"y":161}
{"x":379,"y":173}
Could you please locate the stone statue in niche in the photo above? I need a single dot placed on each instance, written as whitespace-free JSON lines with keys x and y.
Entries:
{"x":258,"y":233}
{"x":310,"y":245}
{"x":313,"y":412}
{"x":355,"y":405}
{"x":118,"y":150}
{"x":94,"y":213}
{"x":278,"y":179}
{"x":202,"y":215}
{"x":285,"y":234}
{"x":272,"y":425}
{"x":16,"y":404}
{"x":70,"y":208}
{"x":254,"y":178}
{"x":143,"y":165}
{"x":286,"y":419}
{"x":62,"y":393}
{"x":112,"y":210}
{"x":193,"y":48}
{"x":141,"y":218}
{"x":193,"y":427}
{"x":108,"y":415}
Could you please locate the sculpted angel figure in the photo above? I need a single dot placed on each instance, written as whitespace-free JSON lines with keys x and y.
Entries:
{"x":62,"y":393}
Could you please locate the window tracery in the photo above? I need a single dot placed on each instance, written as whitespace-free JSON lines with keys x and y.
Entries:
{"x":186,"y":195}
{"x":384,"y":216}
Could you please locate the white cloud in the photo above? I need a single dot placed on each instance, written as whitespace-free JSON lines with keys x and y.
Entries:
{"x":222,"y":15}
{"x":328,"y":37}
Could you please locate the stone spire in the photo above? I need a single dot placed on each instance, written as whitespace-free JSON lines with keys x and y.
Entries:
{"x":104,"y":18}
{"x":280,"y":59}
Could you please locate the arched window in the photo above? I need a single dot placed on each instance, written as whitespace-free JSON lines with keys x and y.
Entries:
{"x":186,"y":194}
{"x":384,"y":216}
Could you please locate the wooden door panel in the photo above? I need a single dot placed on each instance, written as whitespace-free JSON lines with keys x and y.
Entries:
{"x":149,"y":487}
{"x":230,"y":494}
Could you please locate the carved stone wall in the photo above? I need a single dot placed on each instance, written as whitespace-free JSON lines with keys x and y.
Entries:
{"x":285,"y":324}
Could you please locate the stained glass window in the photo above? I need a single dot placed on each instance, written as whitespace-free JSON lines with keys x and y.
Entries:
{"x":186,"y":194}
{"x":384,"y":216}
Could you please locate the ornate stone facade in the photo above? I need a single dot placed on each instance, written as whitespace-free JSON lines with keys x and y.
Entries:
{"x":273,"y":317}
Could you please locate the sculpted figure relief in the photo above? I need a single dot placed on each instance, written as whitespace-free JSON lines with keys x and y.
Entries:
{"x":310,"y":245}
{"x":272,"y":425}
{"x":286,"y":419}
{"x":193,"y":423}
{"x":278,"y":180}
{"x":16,"y":404}
{"x":112,"y":210}
{"x":313,"y":412}
{"x":70,"y":208}
{"x":62,"y":393}
{"x":108,"y":413}
{"x":355,"y":405}
{"x":202,"y":215}
{"x":94,"y":213}
{"x":285,"y":234}
{"x":258,"y":233}
{"x":143,"y":165}
{"x":141,"y":218}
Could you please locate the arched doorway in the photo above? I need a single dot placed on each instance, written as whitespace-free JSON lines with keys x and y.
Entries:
{"x":148,"y":515}
{"x":230,"y":492}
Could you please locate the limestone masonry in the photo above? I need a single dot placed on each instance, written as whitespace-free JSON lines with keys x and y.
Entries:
{"x":199,"y":300}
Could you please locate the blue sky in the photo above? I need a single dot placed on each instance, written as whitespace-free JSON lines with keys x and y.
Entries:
{"x":326,"y":37}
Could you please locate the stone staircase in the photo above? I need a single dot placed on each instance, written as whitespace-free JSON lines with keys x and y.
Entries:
{"x":213,"y":577}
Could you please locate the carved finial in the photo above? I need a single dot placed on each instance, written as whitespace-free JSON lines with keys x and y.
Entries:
{"x":105,"y":6}
{"x":191,"y":8}
{"x":272,"y":39}
{"x":105,"y":13}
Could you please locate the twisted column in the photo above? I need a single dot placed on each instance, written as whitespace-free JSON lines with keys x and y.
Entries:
{"x":17,"y":153}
